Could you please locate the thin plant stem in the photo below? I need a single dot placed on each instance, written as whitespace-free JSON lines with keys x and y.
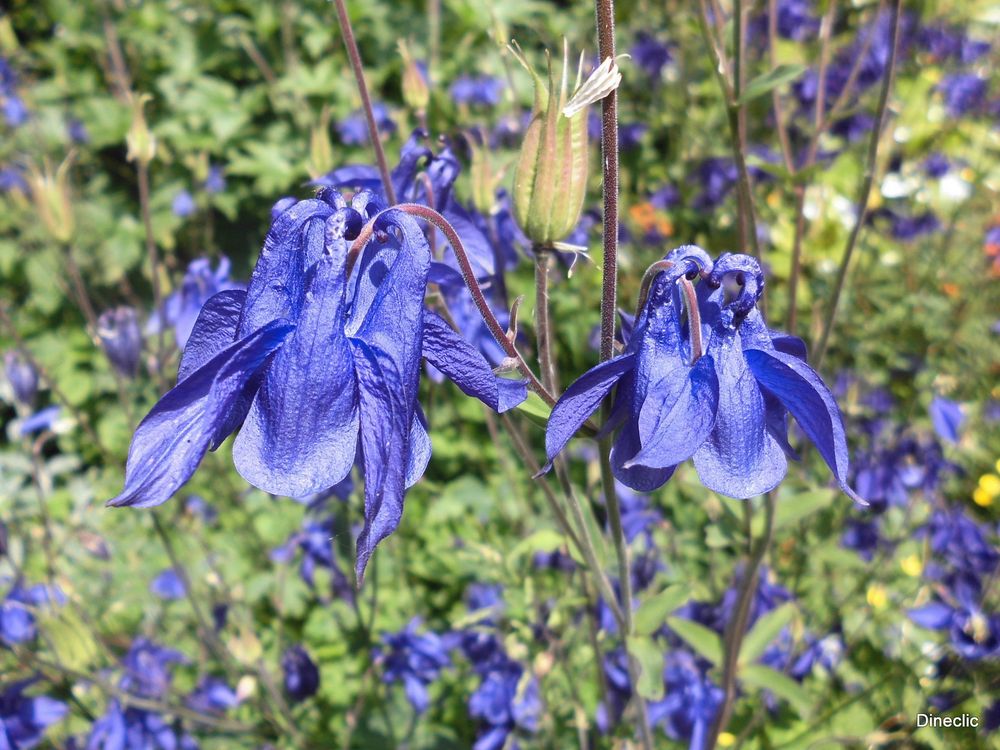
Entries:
{"x":605,"y":18}
{"x":861,"y":209}
{"x":609,"y":181}
{"x":543,"y":323}
{"x":347,"y":34}
{"x":825,"y":32}
{"x":737,"y":626}
{"x":142,"y":173}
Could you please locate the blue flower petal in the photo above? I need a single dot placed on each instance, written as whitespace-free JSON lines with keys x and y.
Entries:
{"x":385,"y":431}
{"x":804,"y":394}
{"x":301,"y":433}
{"x":740,"y":458}
{"x":581,"y":400}
{"x":467,"y":368}
{"x":420,"y":448}
{"x":170,"y":442}
{"x":947,"y":418}
{"x":677,"y":415}
{"x":277,"y":287}
{"x":213,"y":331}
{"x":933,"y":616}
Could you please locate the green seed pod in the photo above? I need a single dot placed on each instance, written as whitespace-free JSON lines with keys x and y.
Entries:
{"x":50,"y":195}
{"x":550,"y":179}
{"x":320,"y":147}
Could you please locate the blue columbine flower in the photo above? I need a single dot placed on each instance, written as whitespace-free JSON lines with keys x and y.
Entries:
{"x":315,"y":539}
{"x":212,"y":696}
{"x":148,"y":668}
{"x":168,"y":585}
{"x":22,"y":377}
{"x":24,"y":718}
{"x":974,"y":634}
{"x":215,"y":180}
{"x":651,"y":55}
{"x":181,"y":307}
{"x":481,"y":90}
{"x":353,"y":129}
{"x":121,"y":339}
{"x":301,"y":674}
{"x":721,"y":398}
{"x":316,"y":366}
{"x":135,"y":728}
{"x":507,"y":700}
{"x":183,"y":204}
{"x":947,"y":418}
{"x":415,"y":659}
{"x":17,"y":610}
{"x":963,"y":93}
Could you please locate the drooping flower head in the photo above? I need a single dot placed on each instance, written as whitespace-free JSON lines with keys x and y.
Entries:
{"x":715,"y":386}
{"x":121,"y":339}
{"x":318,"y":364}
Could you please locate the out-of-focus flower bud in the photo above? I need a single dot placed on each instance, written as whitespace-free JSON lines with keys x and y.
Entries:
{"x":550,"y":178}
{"x":22,"y":377}
{"x":484,"y":178}
{"x":416,"y":92}
{"x":320,"y":147}
{"x":141,"y":142}
{"x":50,"y":195}
{"x":118,"y":330}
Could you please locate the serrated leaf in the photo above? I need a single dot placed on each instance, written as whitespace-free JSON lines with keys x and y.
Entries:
{"x":783,"y":686}
{"x":764,"y":631}
{"x":703,"y":640}
{"x":649,"y":656}
{"x":762,"y":84}
{"x":652,"y":613}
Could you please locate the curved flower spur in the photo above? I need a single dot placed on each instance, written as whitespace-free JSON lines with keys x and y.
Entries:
{"x":319,"y":363}
{"x":716,"y":387}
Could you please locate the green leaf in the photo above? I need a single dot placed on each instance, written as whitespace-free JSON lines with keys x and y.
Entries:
{"x":791,"y":510}
{"x":783,"y":686}
{"x":71,"y":639}
{"x":652,"y":613}
{"x":649,"y":656}
{"x":762,"y":84}
{"x":765,"y":631}
{"x":535,"y":409}
{"x":543,"y":540}
{"x":703,"y":640}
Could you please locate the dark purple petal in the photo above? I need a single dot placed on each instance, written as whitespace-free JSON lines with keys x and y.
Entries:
{"x":301,"y":433}
{"x":947,"y":418}
{"x":740,"y":458}
{"x":804,"y":394}
{"x":677,"y":415}
{"x":581,"y":400}
{"x":467,"y":368}
{"x":170,"y":442}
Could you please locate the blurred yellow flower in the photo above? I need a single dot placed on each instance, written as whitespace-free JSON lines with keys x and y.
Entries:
{"x":727,"y":739}
{"x":877,"y":598}
{"x":912,"y":565}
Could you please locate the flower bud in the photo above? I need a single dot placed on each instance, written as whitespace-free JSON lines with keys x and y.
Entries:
{"x":484,"y":178}
{"x":416,"y":92}
{"x":22,"y":377}
{"x":141,"y":142}
{"x":550,"y":179}
{"x":320,"y":148}
{"x":121,"y":339}
{"x":50,"y":195}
